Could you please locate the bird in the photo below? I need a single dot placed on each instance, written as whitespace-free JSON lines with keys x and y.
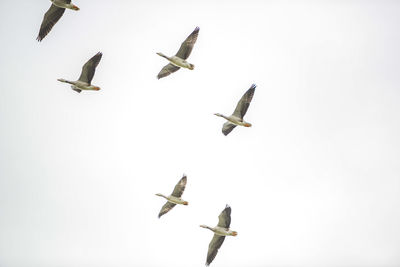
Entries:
{"x":88,"y":70}
{"x":220,"y":231}
{"x":237,"y":117}
{"x":175,"y":197}
{"x":179,"y":60}
{"x":52,"y":15}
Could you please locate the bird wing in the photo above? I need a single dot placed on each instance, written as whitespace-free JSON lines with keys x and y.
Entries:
{"x":213,"y":248}
{"x":49,"y":20}
{"x":167,"y":207}
{"x":227,"y":128}
{"x":224,"y":219}
{"x":244,"y":102}
{"x":89,"y":68}
{"x":167,"y":70}
{"x":180,"y":187}
{"x":187,"y":46}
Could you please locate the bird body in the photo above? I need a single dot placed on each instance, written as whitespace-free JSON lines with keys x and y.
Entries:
{"x":88,"y":70}
{"x":236,"y":119}
{"x":179,"y":60}
{"x":220,"y":232}
{"x":64,"y":4}
{"x":79,"y":85}
{"x":175,"y":197}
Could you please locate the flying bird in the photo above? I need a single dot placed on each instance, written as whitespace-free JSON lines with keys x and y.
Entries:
{"x":220,"y":231}
{"x":52,"y":15}
{"x":237,"y":117}
{"x":179,"y":60}
{"x":175,"y":197}
{"x":88,"y":70}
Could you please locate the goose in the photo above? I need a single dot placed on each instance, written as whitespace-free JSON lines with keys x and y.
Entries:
{"x":88,"y":70}
{"x":220,"y":231}
{"x":52,"y":15}
{"x":175,"y":197}
{"x":179,"y":60}
{"x":237,"y":117}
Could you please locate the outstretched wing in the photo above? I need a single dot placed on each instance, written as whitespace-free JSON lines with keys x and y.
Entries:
{"x":227,"y":128}
{"x":167,"y":70}
{"x":187,"y":46}
{"x":224,"y":219}
{"x":213,"y":248}
{"x":180,"y":187}
{"x":89,"y":68}
{"x":244,"y":102}
{"x":49,"y":20}
{"x":167,"y":207}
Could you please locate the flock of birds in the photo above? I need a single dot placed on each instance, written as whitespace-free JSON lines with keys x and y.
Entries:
{"x":176,"y":62}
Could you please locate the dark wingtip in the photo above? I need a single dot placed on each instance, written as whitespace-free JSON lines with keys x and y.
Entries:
{"x":253,"y":86}
{"x":39,"y":39}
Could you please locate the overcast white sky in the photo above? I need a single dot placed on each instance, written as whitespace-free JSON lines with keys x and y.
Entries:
{"x":314,"y":182}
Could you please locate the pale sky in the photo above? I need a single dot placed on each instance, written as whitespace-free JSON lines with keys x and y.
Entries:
{"x":314,"y":182}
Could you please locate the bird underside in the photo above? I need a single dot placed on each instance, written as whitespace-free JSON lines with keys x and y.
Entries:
{"x":79,"y":88}
{"x":63,"y":4}
{"x":181,"y":63}
{"x":237,"y":121}
{"x":177,"y":61}
{"x":225,"y":232}
{"x":176,"y":200}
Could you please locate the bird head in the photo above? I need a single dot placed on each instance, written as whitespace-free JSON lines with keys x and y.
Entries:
{"x":234,"y":233}
{"x":191,"y":66}
{"x":247,"y":124}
